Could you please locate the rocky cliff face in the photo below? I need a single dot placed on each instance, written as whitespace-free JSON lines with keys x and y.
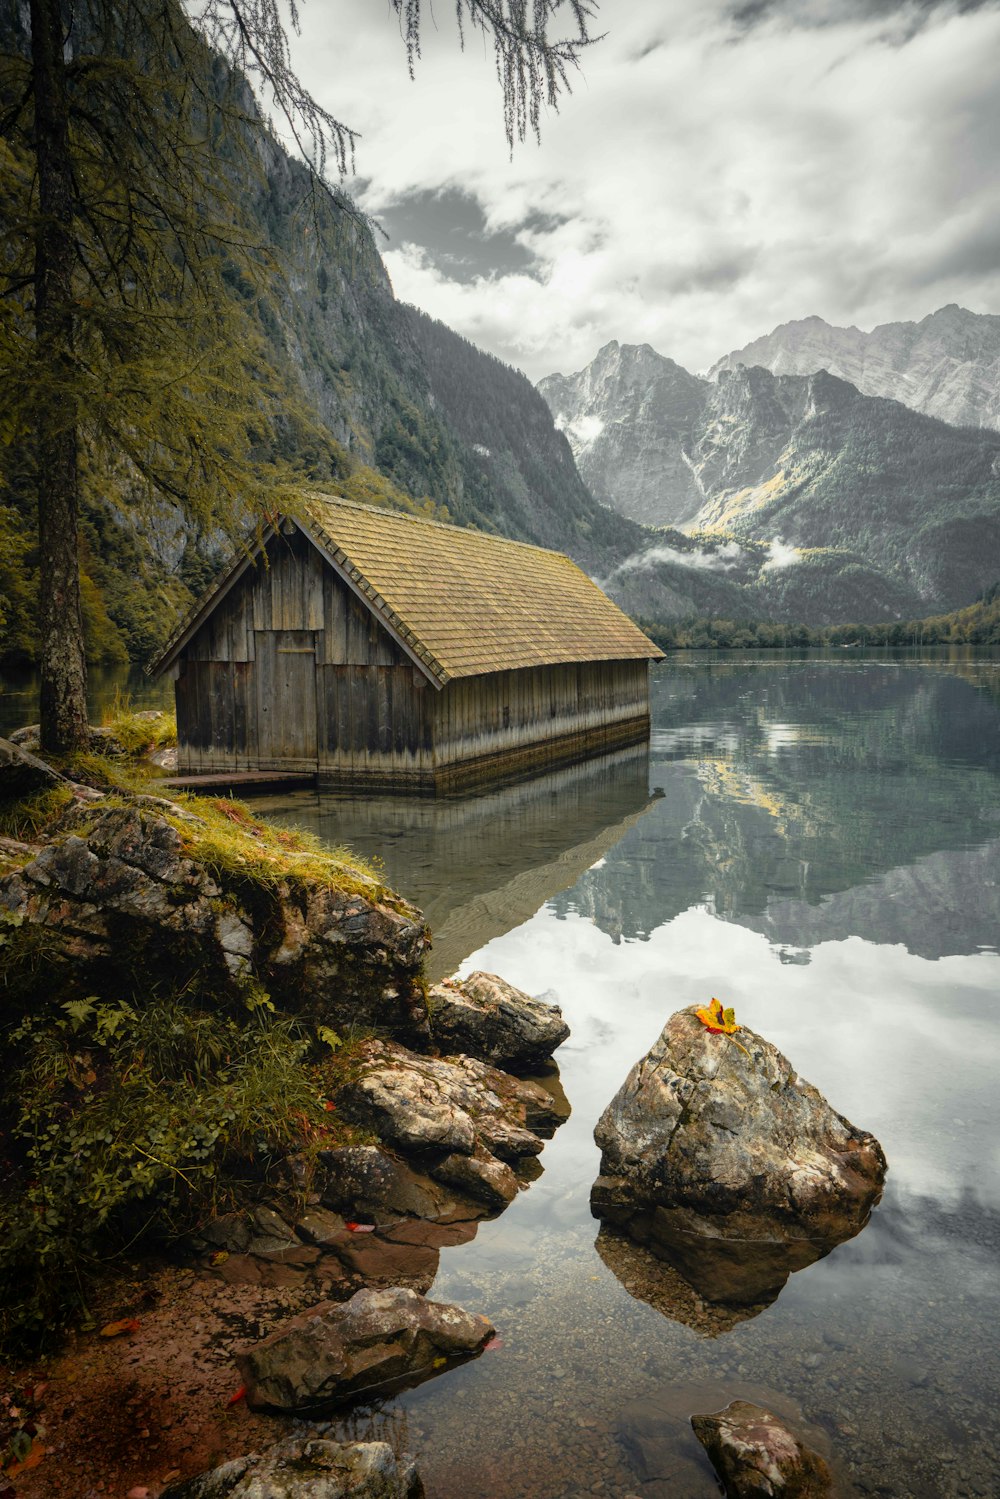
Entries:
{"x":947,"y":365}
{"x":879,"y":512}
{"x":629,"y":417}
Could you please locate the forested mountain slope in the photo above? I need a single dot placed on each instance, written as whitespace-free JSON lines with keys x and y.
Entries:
{"x":367,"y":398}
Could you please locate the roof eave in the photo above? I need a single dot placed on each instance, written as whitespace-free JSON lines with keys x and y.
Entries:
{"x":336,"y":558}
{"x":208,"y":603}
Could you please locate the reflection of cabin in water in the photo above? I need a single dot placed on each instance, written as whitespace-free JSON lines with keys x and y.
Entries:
{"x":480,"y":865}
{"x":383,"y":651}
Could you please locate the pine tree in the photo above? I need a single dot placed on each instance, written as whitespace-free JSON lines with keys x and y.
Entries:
{"x":122,"y":137}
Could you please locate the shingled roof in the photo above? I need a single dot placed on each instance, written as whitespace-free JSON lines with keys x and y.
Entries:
{"x":464,"y":603}
{"x":469,"y":603}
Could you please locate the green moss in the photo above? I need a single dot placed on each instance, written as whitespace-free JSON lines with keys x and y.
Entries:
{"x":136,"y":732}
{"x":235,"y":843}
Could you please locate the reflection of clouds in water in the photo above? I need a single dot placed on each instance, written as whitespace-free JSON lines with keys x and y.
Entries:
{"x":779,"y":736}
{"x":900,"y":1045}
{"x":722,"y":737}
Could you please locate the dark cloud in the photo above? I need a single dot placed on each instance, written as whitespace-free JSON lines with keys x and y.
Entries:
{"x":451,"y":229}
{"x":712,"y":273}
{"x":975,"y":255}
{"x":746,"y":14}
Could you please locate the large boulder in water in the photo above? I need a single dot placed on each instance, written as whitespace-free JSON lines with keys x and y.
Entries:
{"x":721,"y":1159}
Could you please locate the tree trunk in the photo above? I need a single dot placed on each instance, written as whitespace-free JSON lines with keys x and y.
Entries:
{"x":63,"y":664}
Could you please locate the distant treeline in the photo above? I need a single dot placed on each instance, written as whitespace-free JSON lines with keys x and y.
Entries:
{"x":978,"y":624}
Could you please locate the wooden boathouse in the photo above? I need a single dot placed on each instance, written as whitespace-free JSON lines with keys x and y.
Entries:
{"x":381,"y":651}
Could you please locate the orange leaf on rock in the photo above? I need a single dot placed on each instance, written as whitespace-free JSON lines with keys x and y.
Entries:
{"x":115,"y":1329}
{"x":715,"y":1018}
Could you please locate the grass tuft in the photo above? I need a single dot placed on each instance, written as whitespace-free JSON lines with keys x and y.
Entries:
{"x":232,"y":841}
{"x":138,"y":733}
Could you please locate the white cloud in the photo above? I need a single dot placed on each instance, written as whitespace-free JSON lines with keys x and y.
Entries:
{"x":781,"y":555}
{"x":704,"y":181}
{"x":720,"y":560}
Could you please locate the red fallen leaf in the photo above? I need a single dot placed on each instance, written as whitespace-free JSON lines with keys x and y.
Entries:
{"x":329,"y":1107}
{"x":360,"y":1228}
{"x":241,"y":1394}
{"x":115,"y":1329}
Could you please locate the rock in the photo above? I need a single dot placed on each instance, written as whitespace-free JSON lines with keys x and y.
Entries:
{"x":647,"y":1277}
{"x":308,"y":1469}
{"x":370,"y":1181}
{"x":728,"y":1165}
{"x":318,"y":1225}
{"x":115,"y":883}
{"x":487,"y":1018}
{"x":481,"y":1176}
{"x":23,"y":774}
{"x":755,"y":1454}
{"x":340,"y":1349}
{"x":463,"y":1121}
{"x":28,"y":737}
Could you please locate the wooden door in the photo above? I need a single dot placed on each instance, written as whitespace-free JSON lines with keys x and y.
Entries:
{"x":286,"y":698}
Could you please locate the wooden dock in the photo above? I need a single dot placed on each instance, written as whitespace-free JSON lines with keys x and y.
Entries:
{"x":242,"y":782}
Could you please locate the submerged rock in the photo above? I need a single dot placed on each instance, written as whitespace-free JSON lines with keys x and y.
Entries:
{"x":730,"y":1166}
{"x":755,"y":1454}
{"x":655,"y":1431}
{"x":485,"y":1017}
{"x":339,"y":1349}
{"x":308,"y":1469}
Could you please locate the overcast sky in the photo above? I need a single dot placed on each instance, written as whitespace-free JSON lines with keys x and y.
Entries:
{"x":720,"y":167}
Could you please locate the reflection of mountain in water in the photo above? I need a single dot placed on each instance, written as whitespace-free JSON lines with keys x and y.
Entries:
{"x":813,"y":800}
{"x":480,"y":865}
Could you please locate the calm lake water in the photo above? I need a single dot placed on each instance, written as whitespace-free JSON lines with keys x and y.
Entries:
{"x":817,"y":842}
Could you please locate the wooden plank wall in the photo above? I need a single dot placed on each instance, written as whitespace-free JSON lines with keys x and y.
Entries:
{"x":372,"y":707}
{"x":507,"y":711}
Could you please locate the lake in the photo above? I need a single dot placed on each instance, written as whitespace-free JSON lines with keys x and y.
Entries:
{"x":815,"y":840}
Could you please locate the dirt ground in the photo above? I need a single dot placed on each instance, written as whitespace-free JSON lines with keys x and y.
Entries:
{"x":117,"y":1416}
{"x":132,"y":1412}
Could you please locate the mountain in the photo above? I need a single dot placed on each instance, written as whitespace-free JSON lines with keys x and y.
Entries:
{"x":370,"y":399}
{"x":947,"y":365}
{"x":802,"y":498}
{"x":628,"y":417}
